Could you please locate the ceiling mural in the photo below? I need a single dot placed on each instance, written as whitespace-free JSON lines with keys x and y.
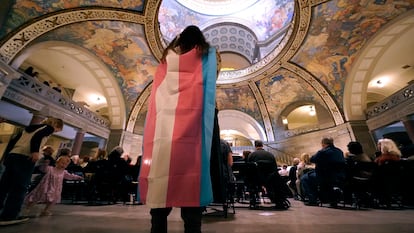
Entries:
{"x":284,"y":89}
{"x":120,"y":46}
{"x":25,"y":10}
{"x":338,"y":31}
{"x":267,"y":19}
{"x":241,"y":99}
{"x":306,"y":50}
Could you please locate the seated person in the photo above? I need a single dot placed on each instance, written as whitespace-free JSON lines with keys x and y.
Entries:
{"x":303,"y":168}
{"x":262,"y":167}
{"x":329,"y":173}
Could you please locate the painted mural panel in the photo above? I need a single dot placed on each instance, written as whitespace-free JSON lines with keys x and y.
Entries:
{"x":339,"y":29}
{"x":267,"y":19}
{"x":284,"y":89}
{"x":119,"y":45}
{"x":25,"y":10}
{"x":240,"y":98}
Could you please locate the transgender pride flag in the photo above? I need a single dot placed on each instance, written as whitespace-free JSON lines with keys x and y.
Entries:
{"x":175,"y":168}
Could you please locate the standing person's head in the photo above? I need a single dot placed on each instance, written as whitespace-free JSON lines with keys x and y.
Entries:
{"x":327,"y":141}
{"x":258,"y":144}
{"x":65,"y":152}
{"x":56,"y":123}
{"x":191,"y":37}
{"x":62,"y":162}
{"x":47,"y":150}
{"x":355,"y":148}
{"x":116,"y":153}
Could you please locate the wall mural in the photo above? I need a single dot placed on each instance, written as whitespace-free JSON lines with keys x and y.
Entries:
{"x":25,"y":10}
{"x":121,"y":46}
{"x":284,"y":89}
{"x":240,"y":98}
{"x":339,"y":29}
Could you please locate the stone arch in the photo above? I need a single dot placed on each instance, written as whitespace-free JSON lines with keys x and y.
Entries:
{"x":95,"y":69}
{"x":241,"y":122}
{"x":355,"y":91}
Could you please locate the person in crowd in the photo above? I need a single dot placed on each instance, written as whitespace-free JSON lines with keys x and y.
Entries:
{"x":329,"y":173}
{"x":356,"y":153}
{"x":64,"y":152}
{"x":74,"y":165}
{"x":388,"y":179}
{"x":389,"y":151}
{"x":246,"y":154}
{"x":19,"y":168}
{"x":49,"y":189}
{"x":35,"y":74}
{"x":292,"y":178}
{"x":46,"y":160}
{"x":284,"y":171}
{"x":260,"y":154}
{"x":29,"y":70}
{"x":303,"y":168}
{"x":84,"y":161}
{"x":118,"y":173}
{"x":95,"y":160}
{"x":265,"y":167}
{"x":182,"y":103}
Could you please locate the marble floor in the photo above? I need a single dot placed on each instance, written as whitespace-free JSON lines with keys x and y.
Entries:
{"x":119,"y":218}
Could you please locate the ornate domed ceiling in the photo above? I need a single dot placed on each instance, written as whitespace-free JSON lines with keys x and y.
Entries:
{"x":245,"y":32}
{"x":281,"y":54}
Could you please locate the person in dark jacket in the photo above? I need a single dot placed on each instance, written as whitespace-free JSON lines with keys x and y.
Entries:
{"x":20,"y":164}
{"x":329,"y":173}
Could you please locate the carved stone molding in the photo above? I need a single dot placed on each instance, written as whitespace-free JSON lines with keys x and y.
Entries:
{"x":23,"y":37}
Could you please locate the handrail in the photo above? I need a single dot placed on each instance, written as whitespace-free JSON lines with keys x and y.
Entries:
{"x":27,"y":84}
{"x":391,"y":101}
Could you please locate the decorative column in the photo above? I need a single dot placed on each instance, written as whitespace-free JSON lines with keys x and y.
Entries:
{"x":409,"y":127}
{"x":77,"y":142}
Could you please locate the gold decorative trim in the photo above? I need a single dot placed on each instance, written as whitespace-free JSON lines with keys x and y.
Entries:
{"x":263,"y":111}
{"x":137,"y":108}
{"x":152,"y":29}
{"x":320,"y":89}
{"x":20,"y":39}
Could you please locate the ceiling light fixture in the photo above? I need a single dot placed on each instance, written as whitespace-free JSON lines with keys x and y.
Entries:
{"x":379,"y":83}
{"x":312,"y":111}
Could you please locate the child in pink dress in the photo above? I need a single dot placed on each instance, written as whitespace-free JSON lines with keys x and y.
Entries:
{"x":49,"y":189}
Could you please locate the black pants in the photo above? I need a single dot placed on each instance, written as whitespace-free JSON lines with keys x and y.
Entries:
{"x":190,"y":215}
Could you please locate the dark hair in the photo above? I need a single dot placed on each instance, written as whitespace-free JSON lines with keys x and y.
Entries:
{"x":115,"y":153}
{"x":258,"y":143}
{"x":191,"y":37}
{"x":65,"y":152}
{"x":328,"y":141}
{"x":355,"y":148}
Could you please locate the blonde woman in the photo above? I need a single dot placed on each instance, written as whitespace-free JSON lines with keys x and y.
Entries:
{"x":304,"y":167}
{"x":389,"y":151}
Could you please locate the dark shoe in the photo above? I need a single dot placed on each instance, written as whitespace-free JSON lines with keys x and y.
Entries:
{"x":6,"y":222}
{"x":311,"y":203}
{"x":333,"y":205}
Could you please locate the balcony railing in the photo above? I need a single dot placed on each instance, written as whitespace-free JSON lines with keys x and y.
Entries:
{"x":395,"y":99}
{"x":30,"y":86}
